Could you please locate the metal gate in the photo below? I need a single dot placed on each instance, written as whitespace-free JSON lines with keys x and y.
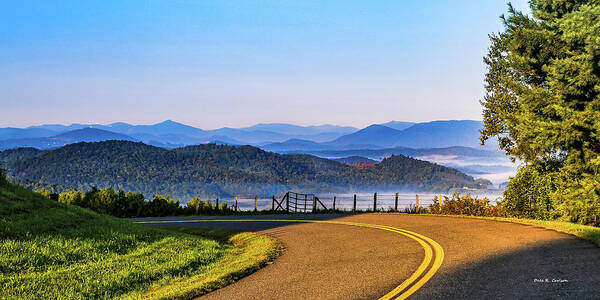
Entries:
{"x":298,"y":203}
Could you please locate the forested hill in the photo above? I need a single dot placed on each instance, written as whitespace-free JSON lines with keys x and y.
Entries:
{"x":219,"y":170}
{"x":17,"y":154}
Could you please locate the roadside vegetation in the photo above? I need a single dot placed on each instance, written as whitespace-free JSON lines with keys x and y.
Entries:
{"x":521,"y":212}
{"x":542,"y":104}
{"x":50,"y":248}
{"x":467,"y":206}
{"x":129,"y":204}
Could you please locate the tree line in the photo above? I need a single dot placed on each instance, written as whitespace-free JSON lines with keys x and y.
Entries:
{"x":129,"y":204}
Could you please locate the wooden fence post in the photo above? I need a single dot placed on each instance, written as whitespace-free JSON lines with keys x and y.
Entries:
{"x":375,"y":202}
{"x":396,"y":203}
{"x":287,"y":202}
{"x":354,"y":207}
{"x":255,"y":203}
{"x":217,"y":206}
{"x":417,"y":209}
{"x":273,"y":204}
{"x":236,"y":204}
{"x":334,"y":203}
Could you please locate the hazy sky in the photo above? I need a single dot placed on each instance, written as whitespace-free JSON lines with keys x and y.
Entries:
{"x":235,"y":63}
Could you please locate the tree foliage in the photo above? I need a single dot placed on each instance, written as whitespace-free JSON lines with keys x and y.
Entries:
{"x":529,"y":195}
{"x":542,"y":98}
{"x":3,"y":180}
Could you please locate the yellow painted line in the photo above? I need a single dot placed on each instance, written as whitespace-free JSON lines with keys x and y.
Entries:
{"x":430,"y":247}
{"x":437,"y":263}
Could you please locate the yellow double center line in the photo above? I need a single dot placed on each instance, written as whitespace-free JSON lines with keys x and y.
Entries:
{"x":434,"y":254}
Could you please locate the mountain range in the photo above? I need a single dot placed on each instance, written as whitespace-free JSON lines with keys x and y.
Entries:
{"x":220,"y":170}
{"x":453,"y":143}
{"x":274,"y":137}
{"x":172,"y":134}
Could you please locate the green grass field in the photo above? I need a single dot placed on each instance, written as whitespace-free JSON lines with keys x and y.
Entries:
{"x":52,"y":250}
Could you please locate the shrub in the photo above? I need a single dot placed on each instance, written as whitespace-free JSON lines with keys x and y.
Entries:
{"x":466,"y":205}
{"x":72,"y":197}
{"x":529,"y":194}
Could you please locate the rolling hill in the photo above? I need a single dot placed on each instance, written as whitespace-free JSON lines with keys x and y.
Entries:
{"x":52,"y":250}
{"x":218,"y":170}
{"x":18,"y":154}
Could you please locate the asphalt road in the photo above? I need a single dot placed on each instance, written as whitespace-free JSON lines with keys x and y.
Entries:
{"x":481,"y":259}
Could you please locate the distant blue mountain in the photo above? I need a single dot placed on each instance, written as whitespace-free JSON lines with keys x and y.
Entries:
{"x":398,"y":125}
{"x":162,"y":128}
{"x":295,"y":130}
{"x":248,"y":137}
{"x":277,"y":136}
{"x":91,"y":135}
{"x":443,"y":134}
{"x":436,"y":134}
{"x":69,"y":137}
{"x":24,"y":133}
{"x":173,"y":134}
{"x":295,"y":144}
{"x":374,"y":135}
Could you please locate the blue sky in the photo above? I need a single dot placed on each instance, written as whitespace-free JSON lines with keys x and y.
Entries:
{"x":236,"y":63}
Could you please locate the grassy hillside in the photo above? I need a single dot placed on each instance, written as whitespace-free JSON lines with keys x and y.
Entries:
{"x":218,"y":170}
{"x":52,"y":250}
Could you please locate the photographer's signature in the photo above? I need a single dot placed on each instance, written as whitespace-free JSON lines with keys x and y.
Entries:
{"x":548,"y":280}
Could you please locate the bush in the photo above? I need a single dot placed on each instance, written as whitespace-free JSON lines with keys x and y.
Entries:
{"x":466,"y":205}
{"x":529,"y":195}
{"x":72,"y":197}
{"x":579,"y":206}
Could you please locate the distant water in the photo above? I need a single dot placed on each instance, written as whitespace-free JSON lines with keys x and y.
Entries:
{"x":364,"y":201}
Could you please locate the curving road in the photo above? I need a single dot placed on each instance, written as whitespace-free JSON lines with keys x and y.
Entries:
{"x":481,"y":258}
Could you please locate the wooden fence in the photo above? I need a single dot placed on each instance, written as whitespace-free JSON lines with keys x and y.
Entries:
{"x":293,"y":202}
